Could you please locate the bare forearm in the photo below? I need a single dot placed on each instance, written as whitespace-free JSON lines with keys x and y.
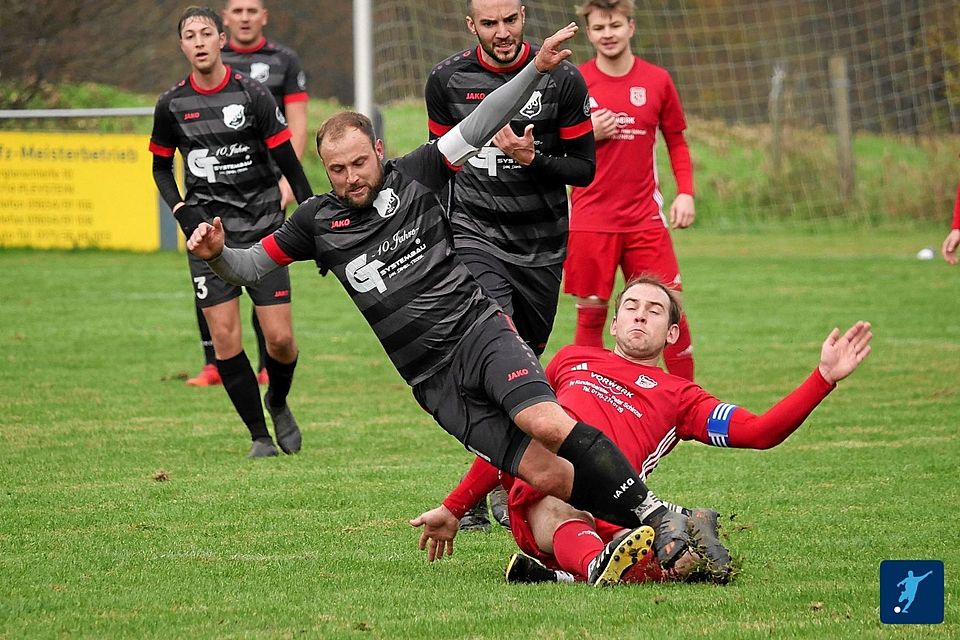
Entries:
{"x":296,"y":113}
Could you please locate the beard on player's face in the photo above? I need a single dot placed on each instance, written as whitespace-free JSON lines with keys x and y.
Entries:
{"x":363,"y":192}
{"x":490,"y":48}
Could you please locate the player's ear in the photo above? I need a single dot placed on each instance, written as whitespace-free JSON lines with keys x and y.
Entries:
{"x":673,"y":333}
{"x":470,"y":25}
{"x":378,"y":147}
{"x":613,"y":326}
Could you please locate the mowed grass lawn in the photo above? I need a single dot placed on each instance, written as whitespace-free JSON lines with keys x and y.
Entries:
{"x":127,"y":508}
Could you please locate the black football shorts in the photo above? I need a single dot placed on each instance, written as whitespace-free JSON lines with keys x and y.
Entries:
{"x":492,"y":376}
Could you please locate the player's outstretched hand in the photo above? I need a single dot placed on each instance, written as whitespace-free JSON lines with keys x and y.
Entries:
{"x":206,"y":242}
{"x":842,"y":354}
{"x":439,"y":529}
{"x":550,"y":54}
{"x":949,"y":247}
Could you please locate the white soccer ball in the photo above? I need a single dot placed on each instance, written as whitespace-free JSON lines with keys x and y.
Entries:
{"x":926,"y":253}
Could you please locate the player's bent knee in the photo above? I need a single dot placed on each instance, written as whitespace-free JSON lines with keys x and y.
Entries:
{"x":545,"y":422}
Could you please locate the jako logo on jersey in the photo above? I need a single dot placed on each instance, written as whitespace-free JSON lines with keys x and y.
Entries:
{"x":280,"y":117}
{"x":638,"y":96}
{"x":588,"y":104}
{"x":623,"y":488}
{"x":234,"y":116}
{"x":519,"y":373}
{"x":533,"y":106}
{"x":475,"y":95}
{"x":202,"y":164}
{"x":386,"y":203}
{"x":302,"y":80}
{"x":193,"y":115}
{"x":339,"y":224}
{"x":645,"y":382}
{"x":363,"y":276}
{"x":260,"y":71}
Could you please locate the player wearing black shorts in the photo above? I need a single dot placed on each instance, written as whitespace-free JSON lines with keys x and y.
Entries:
{"x":508,"y":205}
{"x":232,"y":137}
{"x":278,"y":68}
{"x":383,"y":233}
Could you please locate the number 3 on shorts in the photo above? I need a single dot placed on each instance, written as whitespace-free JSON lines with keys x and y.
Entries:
{"x":201,"y":282}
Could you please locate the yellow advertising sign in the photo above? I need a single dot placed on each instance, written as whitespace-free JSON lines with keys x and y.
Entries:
{"x":67,"y":190}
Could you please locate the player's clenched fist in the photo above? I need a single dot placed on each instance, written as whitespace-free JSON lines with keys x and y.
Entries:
{"x":206,"y":241}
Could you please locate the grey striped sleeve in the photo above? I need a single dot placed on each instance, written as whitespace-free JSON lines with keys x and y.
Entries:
{"x":494,"y":111}
{"x":243,"y":266}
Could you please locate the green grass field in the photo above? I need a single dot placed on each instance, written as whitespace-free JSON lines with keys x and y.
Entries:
{"x":94,"y":543}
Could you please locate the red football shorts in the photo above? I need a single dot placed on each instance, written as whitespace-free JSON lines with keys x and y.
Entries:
{"x":593,"y":257}
{"x":520,"y":498}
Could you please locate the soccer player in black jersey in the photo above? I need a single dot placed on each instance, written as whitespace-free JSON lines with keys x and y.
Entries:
{"x":508,"y":205}
{"x":383,"y":233}
{"x":278,"y":68}
{"x":272,"y":64}
{"x":232,"y":137}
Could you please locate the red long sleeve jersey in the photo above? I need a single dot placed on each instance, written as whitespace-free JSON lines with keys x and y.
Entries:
{"x":956,"y":211}
{"x":647,"y":411}
{"x":625,"y":193}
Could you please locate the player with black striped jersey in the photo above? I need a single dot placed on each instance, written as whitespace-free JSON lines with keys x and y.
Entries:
{"x":278,"y":68}
{"x":508,"y":205}
{"x":272,"y":64}
{"x":382,"y":232}
{"x":232,"y":137}
{"x":646,"y":412}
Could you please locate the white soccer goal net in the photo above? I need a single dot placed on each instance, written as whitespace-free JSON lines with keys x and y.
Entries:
{"x":770,"y":88}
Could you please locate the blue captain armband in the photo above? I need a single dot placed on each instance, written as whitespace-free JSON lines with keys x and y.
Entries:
{"x":718,"y":424}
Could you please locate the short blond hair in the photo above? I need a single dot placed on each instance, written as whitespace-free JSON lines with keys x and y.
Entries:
{"x":607,"y":6}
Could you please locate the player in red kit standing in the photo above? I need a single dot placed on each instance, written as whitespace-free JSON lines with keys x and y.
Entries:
{"x":617,"y":220}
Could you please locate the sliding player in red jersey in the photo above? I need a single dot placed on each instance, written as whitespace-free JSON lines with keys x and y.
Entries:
{"x":618,"y":219}
{"x":646,"y":412}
